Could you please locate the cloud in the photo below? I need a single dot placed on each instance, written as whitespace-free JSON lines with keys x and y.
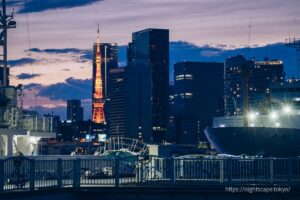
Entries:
{"x":84,"y":54}
{"x":42,"y":110}
{"x":21,"y":62}
{"x":56,"y":51}
{"x":70,"y":89}
{"x":14,"y":2}
{"x":24,"y":76}
{"x":31,"y":86}
{"x":30,"y":6}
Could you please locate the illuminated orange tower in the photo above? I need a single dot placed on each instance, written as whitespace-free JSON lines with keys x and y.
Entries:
{"x":98,"y":99}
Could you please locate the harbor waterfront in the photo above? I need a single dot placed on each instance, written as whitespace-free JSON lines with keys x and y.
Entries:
{"x":92,"y":173}
{"x":150,"y":116}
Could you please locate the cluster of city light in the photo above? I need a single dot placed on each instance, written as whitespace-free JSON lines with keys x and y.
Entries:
{"x":274,"y":115}
{"x":287,"y":109}
{"x":252,"y":115}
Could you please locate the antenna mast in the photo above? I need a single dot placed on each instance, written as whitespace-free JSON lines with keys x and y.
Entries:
{"x":249,"y":37}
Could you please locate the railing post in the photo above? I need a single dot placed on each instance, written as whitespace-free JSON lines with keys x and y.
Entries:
{"x":272,"y":170}
{"x":172,"y":167}
{"x":229,"y":169}
{"x":139,"y":167}
{"x":1,"y":175}
{"x":117,"y":171}
{"x":32,"y":174}
{"x":290,"y":171}
{"x":141,"y":174}
{"x":76,"y":173}
{"x":59,"y":173}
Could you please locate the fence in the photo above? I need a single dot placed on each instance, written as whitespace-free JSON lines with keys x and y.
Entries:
{"x":29,"y":173}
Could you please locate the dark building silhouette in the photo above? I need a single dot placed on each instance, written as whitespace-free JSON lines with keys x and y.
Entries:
{"x":148,"y":60}
{"x":74,"y":110}
{"x":1,"y":76}
{"x":198,"y":87}
{"x":171,"y":136}
{"x":138,"y":107}
{"x":68,"y":131}
{"x":116,"y":90}
{"x":261,"y":75}
{"x":84,"y":128}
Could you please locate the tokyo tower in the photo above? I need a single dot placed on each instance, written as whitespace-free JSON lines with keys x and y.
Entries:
{"x":98,"y":99}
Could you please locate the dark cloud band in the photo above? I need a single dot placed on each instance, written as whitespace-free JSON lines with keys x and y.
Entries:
{"x":25,"y":76}
{"x":70,"y":89}
{"x":30,"y":6}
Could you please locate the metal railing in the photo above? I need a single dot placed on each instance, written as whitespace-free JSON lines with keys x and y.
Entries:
{"x":30,"y":173}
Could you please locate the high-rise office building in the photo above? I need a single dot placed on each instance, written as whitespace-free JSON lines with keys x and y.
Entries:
{"x":116,"y":89}
{"x":148,"y":59}
{"x":263,"y":75}
{"x":260,"y":75}
{"x":138,"y":113}
{"x":74,"y":110}
{"x":198,"y":86}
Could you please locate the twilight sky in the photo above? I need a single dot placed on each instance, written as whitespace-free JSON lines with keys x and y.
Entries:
{"x":61,"y":32}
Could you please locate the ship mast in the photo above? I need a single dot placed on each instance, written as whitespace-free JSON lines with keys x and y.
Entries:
{"x":6,"y":22}
{"x":98,"y":99}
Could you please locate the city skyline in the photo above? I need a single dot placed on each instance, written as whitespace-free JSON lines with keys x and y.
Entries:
{"x":54,"y":43}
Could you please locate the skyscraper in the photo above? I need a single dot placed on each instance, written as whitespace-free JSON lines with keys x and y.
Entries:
{"x":198,"y":86}
{"x":74,"y":110}
{"x":138,"y":113}
{"x":98,"y":116}
{"x":116,"y":89}
{"x":260,"y":75}
{"x":148,"y":54}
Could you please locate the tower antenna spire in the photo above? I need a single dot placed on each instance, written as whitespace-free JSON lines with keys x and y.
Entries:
{"x":98,"y":36}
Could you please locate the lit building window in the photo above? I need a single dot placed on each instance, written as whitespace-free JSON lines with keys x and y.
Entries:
{"x":189,"y":77}
{"x":179,"y":77}
{"x":184,"y":77}
{"x":189,"y":95}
